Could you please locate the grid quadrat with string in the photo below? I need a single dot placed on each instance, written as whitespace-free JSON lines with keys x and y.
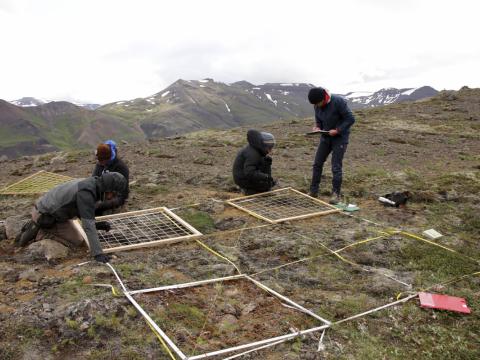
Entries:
{"x":281,"y":205}
{"x":37,"y":183}
{"x":142,"y":228}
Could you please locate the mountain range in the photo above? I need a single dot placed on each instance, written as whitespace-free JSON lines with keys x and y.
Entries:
{"x":31,"y":101}
{"x":31,"y":126}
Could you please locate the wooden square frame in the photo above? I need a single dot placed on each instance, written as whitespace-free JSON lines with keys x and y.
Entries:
{"x":237,"y":203}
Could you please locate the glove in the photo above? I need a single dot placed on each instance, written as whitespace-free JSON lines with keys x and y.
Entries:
{"x":102,"y":258}
{"x":28,"y":234}
{"x":268,"y":160}
{"x":103,"y":225}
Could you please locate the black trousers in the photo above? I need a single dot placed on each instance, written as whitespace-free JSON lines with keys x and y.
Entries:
{"x":336,"y":146}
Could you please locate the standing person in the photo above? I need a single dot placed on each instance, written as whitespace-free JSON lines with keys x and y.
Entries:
{"x":252,"y":168}
{"x":108,"y":161}
{"x":53,"y":213}
{"x":333,"y":115}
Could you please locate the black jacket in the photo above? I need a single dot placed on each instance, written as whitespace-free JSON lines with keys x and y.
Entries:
{"x":77,"y":198}
{"x":117,"y":165}
{"x":252,"y":168}
{"x":335,"y":115}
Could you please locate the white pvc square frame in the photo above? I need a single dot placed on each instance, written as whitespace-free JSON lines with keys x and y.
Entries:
{"x":256,"y":344}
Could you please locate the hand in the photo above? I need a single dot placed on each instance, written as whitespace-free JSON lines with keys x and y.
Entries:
{"x":316,"y":128}
{"x":333,"y":132}
{"x":102,"y":258}
{"x":103,"y":225}
{"x":272,"y":182}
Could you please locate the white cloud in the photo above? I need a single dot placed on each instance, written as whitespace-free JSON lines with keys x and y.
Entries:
{"x":107,"y":50}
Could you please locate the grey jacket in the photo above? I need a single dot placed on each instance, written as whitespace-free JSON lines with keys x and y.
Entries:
{"x":77,"y":198}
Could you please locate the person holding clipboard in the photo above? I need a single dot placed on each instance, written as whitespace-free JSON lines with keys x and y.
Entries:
{"x":333,"y":120}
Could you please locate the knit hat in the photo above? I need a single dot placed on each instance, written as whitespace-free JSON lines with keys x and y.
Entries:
{"x":316,"y":95}
{"x":268,"y":139}
{"x":112,"y":182}
{"x":103,"y":152}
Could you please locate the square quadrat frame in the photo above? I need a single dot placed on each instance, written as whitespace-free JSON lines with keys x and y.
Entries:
{"x":35,"y":184}
{"x":143,"y":228}
{"x":282,"y":205}
{"x":182,"y":356}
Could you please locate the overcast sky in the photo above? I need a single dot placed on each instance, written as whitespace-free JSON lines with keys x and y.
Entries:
{"x":108,"y":50}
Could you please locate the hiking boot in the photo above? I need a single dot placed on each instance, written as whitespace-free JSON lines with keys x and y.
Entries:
{"x":335,"y":199}
{"x":28,"y":233}
{"x":313,"y":194}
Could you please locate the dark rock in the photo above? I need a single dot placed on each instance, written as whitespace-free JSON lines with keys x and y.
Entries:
{"x":3,"y":233}
{"x":451,"y":195}
{"x":229,"y":223}
{"x":58,"y":161}
{"x":212,"y":207}
{"x":30,"y":275}
{"x":228,"y":309}
{"x":249,"y":308}
{"x":227,"y":322}
{"x":17,"y":172}
{"x":9,"y":275}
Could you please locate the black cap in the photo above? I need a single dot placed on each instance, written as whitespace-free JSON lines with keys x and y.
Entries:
{"x":316,"y":95}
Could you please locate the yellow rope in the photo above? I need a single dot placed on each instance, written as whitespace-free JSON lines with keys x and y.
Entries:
{"x":363,"y":242}
{"x":219,"y":255}
{"x":161,"y":340}
{"x":438,"y":245}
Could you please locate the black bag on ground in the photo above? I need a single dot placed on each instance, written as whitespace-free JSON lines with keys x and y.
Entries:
{"x":399,"y":198}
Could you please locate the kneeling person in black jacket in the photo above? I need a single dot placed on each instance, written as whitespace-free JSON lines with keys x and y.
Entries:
{"x":53,"y":213}
{"x":252,"y":169}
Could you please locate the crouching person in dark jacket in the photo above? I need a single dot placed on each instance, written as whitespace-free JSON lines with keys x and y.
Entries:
{"x":53,"y":213}
{"x":252,"y":169}
{"x":108,"y":161}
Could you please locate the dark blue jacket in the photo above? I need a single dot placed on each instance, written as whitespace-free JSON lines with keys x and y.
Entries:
{"x":335,"y":115}
{"x":252,"y":168}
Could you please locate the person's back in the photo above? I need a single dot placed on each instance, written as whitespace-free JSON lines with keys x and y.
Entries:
{"x":61,"y":201}
{"x":252,"y":165}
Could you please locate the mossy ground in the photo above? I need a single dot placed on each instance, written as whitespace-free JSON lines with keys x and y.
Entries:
{"x":428,"y":148}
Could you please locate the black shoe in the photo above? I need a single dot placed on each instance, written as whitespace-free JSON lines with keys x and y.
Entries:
{"x":28,"y":234}
{"x":313,"y":194}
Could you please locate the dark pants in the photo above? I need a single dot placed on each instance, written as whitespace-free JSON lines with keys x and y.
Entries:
{"x":63,"y":232}
{"x":257,"y":190}
{"x":329,"y":145}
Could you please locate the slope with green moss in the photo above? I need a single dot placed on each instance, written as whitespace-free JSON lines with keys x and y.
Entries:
{"x":429,"y":148}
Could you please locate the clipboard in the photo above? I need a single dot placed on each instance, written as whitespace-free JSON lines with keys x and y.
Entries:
{"x":319,"y":132}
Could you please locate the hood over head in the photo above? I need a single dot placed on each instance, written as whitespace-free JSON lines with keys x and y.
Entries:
{"x":255,"y":139}
{"x":112,"y":182}
{"x":113,"y":148}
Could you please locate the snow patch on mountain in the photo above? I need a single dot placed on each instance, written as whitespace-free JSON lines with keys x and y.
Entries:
{"x":269,"y":97}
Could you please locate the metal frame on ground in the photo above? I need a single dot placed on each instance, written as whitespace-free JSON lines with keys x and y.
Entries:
{"x":35,"y":184}
{"x":156,"y":224}
{"x":299,"y":196}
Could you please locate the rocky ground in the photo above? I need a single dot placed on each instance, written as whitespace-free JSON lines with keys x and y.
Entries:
{"x":49,"y":308}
